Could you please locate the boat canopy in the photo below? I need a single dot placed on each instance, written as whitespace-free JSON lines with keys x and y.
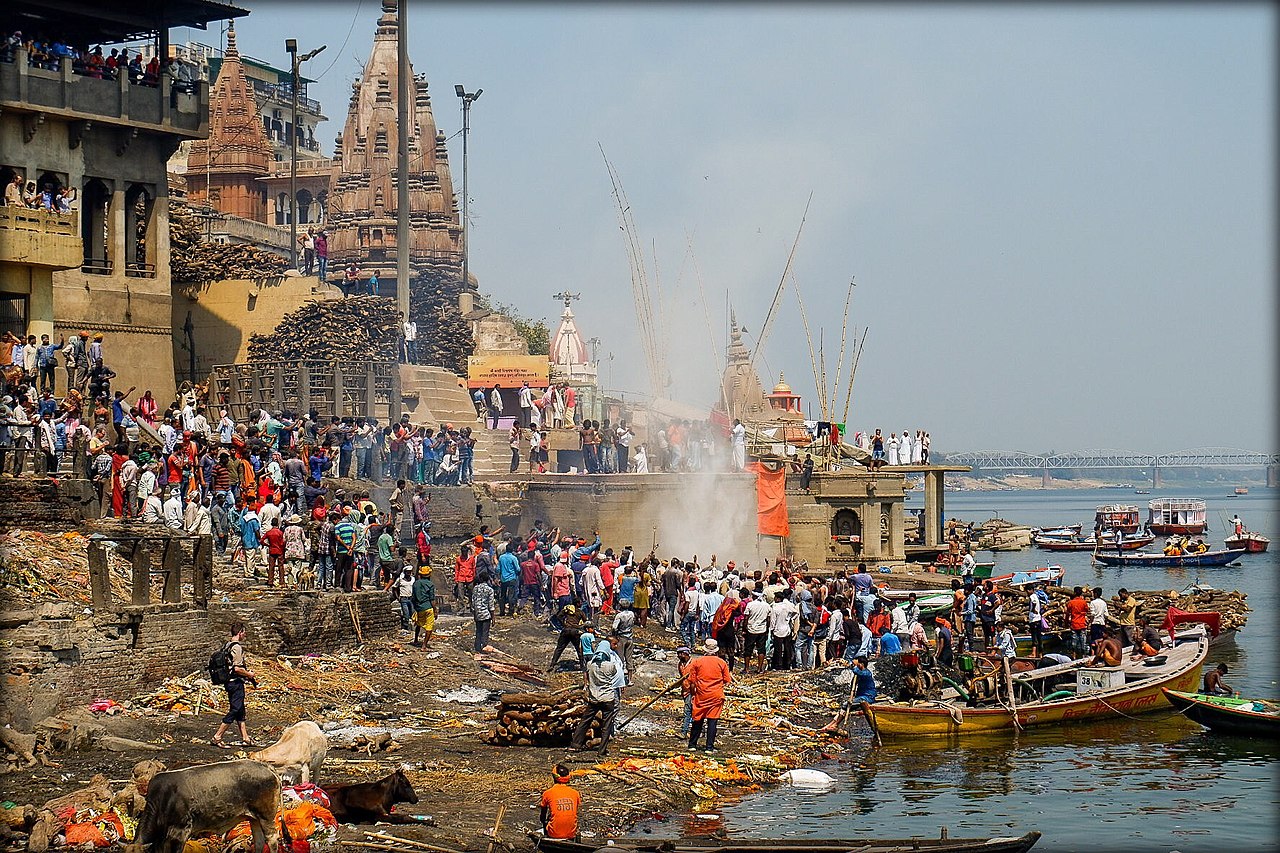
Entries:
{"x":1177,"y":511}
{"x":1175,"y":617}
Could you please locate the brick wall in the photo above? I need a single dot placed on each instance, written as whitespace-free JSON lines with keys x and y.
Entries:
{"x":55,"y":655}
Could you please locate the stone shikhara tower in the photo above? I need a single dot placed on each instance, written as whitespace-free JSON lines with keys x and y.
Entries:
{"x":362,"y":199}
{"x":229,"y":163}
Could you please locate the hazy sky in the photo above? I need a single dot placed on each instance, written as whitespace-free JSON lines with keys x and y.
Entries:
{"x":1060,"y":218}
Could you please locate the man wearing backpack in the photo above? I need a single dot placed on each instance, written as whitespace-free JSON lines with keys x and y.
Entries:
{"x":228,"y":668}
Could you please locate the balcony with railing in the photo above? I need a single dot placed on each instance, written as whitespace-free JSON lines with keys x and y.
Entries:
{"x":64,"y":94}
{"x":41,"y":238}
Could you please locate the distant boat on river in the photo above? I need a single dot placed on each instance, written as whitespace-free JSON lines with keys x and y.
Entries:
{"x":1167,"y":561}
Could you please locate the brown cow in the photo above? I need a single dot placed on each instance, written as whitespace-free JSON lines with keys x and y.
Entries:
{"x":370,"y":802}
{"x":298,"y":754}
{"x":210,"y":798}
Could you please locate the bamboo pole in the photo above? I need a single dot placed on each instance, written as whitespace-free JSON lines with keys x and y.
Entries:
{"x":853,"y":371}
{"x":844,"y":328}
{"x":808,"y":336}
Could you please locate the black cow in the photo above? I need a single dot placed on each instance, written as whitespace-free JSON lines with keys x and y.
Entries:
{"x":209,"y":798}
{"x":370,"y":802}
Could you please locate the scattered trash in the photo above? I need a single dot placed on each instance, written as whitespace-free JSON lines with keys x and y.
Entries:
{"x":467,"y":695}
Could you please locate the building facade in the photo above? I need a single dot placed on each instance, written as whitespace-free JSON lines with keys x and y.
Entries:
{"x":103,"y":267}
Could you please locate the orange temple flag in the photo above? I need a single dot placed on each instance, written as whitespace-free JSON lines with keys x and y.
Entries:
{"x":771,"y":500}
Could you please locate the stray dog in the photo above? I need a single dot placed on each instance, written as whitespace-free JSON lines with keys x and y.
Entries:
{"x":306,"y":579}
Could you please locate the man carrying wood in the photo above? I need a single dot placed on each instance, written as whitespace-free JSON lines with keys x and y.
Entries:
{"x":602,"y":677}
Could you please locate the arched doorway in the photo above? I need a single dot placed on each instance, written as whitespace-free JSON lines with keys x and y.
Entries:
{"x":846,"y":524}
{"x":138,"y":207}
{"x":304,"y":206}
{"x":95,"y":205}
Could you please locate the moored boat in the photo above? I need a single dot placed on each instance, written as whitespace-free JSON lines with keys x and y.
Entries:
{"x":1122,"y":517}
{"x":1182,"y":516}
{"x":1064,"y":531}
{"x":1228,"y":714}
{"x":1242,"y":490}
{"x":1051,"y":575}
{"x":1254,"y":543}
{"x":1053,"y":695}
{"x":709,"y":844}
{"x":1088,"y":543}
{"x":1222,"y":557}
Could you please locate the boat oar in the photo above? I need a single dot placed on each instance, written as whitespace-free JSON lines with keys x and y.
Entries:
{"x":646,"y":705}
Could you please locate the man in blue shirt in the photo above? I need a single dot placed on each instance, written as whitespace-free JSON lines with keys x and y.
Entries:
{"x":509,"y":575}
{"x":46,"y":361}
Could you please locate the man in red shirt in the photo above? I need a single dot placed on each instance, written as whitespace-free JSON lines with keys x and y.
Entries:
{"x":274,"y":537}
{"x":560,"y":804}
{"x":1078,"y":622}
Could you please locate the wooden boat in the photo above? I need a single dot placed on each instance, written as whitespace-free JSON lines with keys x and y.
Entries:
{"x":1065,"y":531}
{"x":1163,"y":561}
{"x":1183,"y":516}
{"x":1254,"y":543}
{"x":1122,"y":517}
{"x":1088,"y":543}
{"x":713,"y":844}
{"x":1052,"y":575}
{"x":1050,"y":696}
{"x":1227,"y":714}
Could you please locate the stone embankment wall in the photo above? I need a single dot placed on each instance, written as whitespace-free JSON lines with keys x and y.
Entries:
{"x":55,"y":656}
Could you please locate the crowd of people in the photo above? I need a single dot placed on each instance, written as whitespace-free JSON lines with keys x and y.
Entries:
{"x":50,"y":54}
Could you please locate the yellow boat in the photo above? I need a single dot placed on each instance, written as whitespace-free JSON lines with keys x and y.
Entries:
{"x":1064,"y":693}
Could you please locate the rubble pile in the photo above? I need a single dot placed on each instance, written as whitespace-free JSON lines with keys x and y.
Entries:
{"x":193,"y":260}
{"x":359,"y":328}
{"x":36,"y":566}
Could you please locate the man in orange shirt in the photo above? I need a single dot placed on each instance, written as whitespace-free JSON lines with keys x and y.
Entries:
{"x":1078,"y":622}
{"x":560,"y":804}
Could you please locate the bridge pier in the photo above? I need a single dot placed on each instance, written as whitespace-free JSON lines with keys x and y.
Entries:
{"x":1046,"y":479}
{"x":1273,"y":476}
{"x":1156,"y":482}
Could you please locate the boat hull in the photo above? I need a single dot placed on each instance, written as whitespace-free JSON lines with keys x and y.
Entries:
{"x":1208,"y":558}
{"x":1090,"y":544}
{"x":1219,"y":714}
{"x":1252,"y":543}
{"x":1178,"y":529}
{"x":895,"y":720}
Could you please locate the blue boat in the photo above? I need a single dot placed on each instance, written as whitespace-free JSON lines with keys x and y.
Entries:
{"x":1163,"y":561}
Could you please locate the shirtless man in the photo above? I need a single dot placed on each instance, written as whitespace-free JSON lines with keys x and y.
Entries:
{"x":1107,"y":651}
{"x":1213,"y":683}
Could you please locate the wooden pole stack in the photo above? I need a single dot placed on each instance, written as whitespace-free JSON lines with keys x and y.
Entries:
{"x":542,"y":719}
{"x":194,"y":260}
{"x":360,"y":328}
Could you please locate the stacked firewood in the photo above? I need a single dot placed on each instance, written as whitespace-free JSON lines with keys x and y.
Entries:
{"x":444,"y":337}
{"x":1155,"y":604}
{"x":358,"y":328}
{"x":194,"y":260}
{"x":542,"y":719}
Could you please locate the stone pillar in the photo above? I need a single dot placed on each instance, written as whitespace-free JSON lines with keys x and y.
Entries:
{"x":871,"y":529}
{"x":933,"y":499}
{"x":116,"y":230}
{"x":897,"y":548}
{"x":40,"y":307}
{"x":141,"y":592}
{"x":99,"y":577}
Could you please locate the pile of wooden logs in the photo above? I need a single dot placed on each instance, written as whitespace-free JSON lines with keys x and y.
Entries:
{"x":354,"y":329}
{"x":542,"y":719}
{"x":1155,"y":604}
{"x":444,"y":337}
{"x":194,"y":260}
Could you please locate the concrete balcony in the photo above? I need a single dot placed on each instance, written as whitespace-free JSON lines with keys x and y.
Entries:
{"x":40,"y":238}
{"x":73,"y":97}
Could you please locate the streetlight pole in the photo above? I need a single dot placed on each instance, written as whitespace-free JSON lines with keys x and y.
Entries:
{"x":467,"y":99}
{"x":291,"y":45}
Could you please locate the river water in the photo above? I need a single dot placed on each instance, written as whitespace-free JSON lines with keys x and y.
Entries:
{"x":1159,"y":783}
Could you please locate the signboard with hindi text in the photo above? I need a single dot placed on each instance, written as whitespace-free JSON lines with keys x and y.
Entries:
{"x":509,"y":371}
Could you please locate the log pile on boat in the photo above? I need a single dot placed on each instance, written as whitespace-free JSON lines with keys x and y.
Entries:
{"x":1230,"y":604}
{"x":542,"y":719}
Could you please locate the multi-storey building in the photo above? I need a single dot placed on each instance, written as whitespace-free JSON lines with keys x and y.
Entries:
{"x":103,"y":267}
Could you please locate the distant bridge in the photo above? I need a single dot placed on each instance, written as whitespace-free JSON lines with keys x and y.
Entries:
{"x":1200,"y":457}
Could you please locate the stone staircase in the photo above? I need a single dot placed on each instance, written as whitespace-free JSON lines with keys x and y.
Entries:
{"x":434,"y":396}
